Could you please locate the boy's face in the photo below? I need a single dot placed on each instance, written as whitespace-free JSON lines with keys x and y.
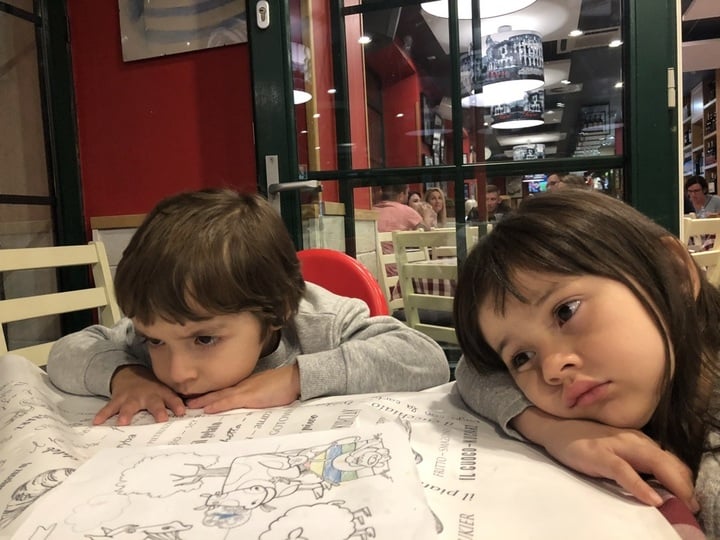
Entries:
{"x":203,"y":356}
{"x":581,"y":347}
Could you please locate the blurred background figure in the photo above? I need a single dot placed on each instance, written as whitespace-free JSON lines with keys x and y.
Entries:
{"x":496,"y":207}
{"x":427,"y":213}
{"x":414,"y":197}
{"x":436,"y":198}
{"x":556,"y":181}
{"x":704,"y":205}
{"x":553,"y":181}
{"x":393,"y":212}
{"x":471,"y":211}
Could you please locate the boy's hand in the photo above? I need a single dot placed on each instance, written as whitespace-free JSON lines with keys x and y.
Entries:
{"x":134,"y":389}
{"x":604,"y":451}
{"x":271,"y":388}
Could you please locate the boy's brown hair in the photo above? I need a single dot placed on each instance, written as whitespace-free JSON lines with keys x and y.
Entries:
{"x":210,"y":252}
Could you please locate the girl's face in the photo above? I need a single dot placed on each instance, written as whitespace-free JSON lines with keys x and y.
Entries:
{"x":582,"y":347}
{"x":436,"y":201}
{"x":414,"y":199}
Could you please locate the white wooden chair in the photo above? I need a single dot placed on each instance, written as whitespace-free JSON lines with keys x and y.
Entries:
{"x":417,"y":276}
{"x":387,"y":268}
{"x":704,"y":233}
{"x":101,"y":296}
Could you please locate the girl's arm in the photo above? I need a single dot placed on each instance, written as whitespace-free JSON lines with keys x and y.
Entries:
{"x":588,"y":447}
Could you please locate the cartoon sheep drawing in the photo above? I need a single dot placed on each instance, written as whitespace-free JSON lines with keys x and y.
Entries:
{"x":321,"y":521}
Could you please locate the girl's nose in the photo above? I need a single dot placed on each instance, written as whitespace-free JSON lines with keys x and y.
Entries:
{"x":557,"y":366}
{"x":180,"y":368}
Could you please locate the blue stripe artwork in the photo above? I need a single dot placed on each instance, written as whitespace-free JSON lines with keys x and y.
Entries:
{"x":150,"y":28}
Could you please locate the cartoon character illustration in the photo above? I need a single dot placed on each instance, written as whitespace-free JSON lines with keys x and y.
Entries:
{"x":254,"y":481}
{"x":321,"y":521}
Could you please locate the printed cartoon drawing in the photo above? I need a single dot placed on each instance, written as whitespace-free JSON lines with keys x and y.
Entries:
{"x":254,"y":481}
{"x":321,"y":521}
{"x":42,"y":533}
{"x":162,"y":531}
{"x":28,"y":492}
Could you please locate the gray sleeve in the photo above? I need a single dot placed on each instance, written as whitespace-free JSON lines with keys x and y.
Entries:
{"x":84,"y":362}
{"x":494,"y":396}
{"x":367,"y":354}
{"x":707,"y":488}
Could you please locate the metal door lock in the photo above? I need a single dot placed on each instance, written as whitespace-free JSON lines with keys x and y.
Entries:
{"x":262,"y":13}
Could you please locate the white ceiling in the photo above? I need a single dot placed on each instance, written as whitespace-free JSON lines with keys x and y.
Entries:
{"x":702,"y":54}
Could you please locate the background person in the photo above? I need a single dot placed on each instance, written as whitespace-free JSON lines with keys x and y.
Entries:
{"x":414,"y":197}
{"x":436,"y":198}
{"x":394,"y":214}
{"x":704,"y":204}
{"x":496,"y":207}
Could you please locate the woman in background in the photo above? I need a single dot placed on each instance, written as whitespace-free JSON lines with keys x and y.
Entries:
{"x":436,"y":198}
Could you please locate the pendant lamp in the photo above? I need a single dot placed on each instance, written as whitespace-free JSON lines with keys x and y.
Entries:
{"x":524,"y":113}
{"x":488,"y":8}
{"x":300,"y":55}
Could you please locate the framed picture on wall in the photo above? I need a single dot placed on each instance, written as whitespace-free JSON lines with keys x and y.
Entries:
{"x":175,"y":27}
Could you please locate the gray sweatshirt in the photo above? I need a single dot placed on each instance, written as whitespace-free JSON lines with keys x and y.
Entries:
{"x":339,"y":349}
{"x":497,"y":398}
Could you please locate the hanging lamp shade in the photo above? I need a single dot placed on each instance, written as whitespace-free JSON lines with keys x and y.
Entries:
{"x":488,"y":8}
{"x":509,"y":64}
{"x":523,"y":113}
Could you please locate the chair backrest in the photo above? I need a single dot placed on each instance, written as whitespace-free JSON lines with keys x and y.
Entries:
{"x":428,"y":284}
{"x":387,"y":268}
{"x":343,"y":275}
{"x":101,"y":296}
{"x":702,"y":236}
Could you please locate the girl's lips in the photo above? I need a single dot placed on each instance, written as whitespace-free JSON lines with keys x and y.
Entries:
{"x":585,"y":393}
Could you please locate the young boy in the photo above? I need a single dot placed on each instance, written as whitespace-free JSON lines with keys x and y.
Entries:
{"x":219,"y":317}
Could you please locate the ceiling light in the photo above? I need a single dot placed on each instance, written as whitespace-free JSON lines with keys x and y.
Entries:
{"x":399,"y":115}
{"x":488,"y":8}
{"x":575,"y":33}
{"x":565,"y":82}
{"x":615,"y":43}
{"x":619,"y":84}
{"x":364,"y":40}
{"x":301,"y":96}
{"x":331,"y":90}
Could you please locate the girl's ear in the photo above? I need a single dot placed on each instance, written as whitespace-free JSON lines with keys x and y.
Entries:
{"x":680,"y":252}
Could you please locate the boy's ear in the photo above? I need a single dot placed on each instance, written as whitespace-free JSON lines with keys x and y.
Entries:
{"x":680,"y":252}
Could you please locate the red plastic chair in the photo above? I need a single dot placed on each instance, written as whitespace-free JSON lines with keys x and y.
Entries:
{"x":343,"y":275}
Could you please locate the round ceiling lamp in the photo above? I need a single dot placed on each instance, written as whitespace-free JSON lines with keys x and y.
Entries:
{"x":488,"y":8}
{"x":300,"y":55}
{"x":524,"y":113}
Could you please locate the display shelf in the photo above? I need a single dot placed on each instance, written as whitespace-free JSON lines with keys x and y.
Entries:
{"x":700,"y":133}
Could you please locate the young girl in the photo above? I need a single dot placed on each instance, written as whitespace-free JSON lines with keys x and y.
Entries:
{"x":436,"y":198}
{"x":609,"y":331}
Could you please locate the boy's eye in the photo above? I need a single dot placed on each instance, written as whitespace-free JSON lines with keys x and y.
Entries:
{"x":153,"y":342}
{"x":206,"y":340}
{"x":565,"y":312}
{"x":520,"y":359}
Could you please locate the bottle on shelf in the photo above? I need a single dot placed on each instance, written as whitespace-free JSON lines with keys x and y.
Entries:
{"x":473,"y":157}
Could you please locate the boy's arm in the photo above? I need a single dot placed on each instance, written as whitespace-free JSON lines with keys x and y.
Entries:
{"x":84,"y":362}
{"x":589,"y":447}
{"x":362,"y":354}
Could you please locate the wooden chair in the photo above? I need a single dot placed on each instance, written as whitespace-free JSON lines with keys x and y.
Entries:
{"x":415,"y":278}
{"x":387,"y":268}
{"x":702,"y":236}
{"x":101,"y":296}
{"x":343,"y":275}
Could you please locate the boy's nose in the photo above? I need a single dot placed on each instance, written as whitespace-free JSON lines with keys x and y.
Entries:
{"x":180,"y":368}
{"x":557,"y":366}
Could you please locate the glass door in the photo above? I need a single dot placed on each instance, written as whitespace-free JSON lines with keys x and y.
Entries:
{"x":458,"y":96}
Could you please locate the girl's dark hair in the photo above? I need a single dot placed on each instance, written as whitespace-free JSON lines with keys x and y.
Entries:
{"x":577,"y":232}
{"x":210,"y":252}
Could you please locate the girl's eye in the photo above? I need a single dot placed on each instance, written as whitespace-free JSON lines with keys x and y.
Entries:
{"x":206,"y":340}
{"x":565,"y":312}
{"x":520,"y":359}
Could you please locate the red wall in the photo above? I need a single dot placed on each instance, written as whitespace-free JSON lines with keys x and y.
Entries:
{"x":149,"y":128}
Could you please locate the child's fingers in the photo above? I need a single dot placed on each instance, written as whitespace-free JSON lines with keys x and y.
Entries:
{"x":107,"y":412}
{"x":671,"y":473}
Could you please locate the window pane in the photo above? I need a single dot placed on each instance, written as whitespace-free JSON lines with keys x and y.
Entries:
{"x":22,"y":148}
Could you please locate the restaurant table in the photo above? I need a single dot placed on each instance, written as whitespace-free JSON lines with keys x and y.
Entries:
{"x":476,"y":482}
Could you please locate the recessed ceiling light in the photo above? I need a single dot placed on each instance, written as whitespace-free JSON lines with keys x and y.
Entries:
{"x":331,"y":90}
{"x":316,"y":115}
{"x":364,"y":40}
{"x":619,"y":84}
{"x":565,"y":81}
{"x":615,"y":43}
{"x":399,"y":115}
{"x":575,"y":33}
